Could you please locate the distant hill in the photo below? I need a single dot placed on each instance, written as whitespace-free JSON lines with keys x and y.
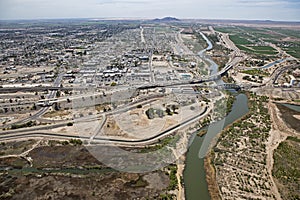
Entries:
{"x":166,"y":19}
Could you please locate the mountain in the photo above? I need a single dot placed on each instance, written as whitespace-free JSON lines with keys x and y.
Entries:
{"x":166,"y":19}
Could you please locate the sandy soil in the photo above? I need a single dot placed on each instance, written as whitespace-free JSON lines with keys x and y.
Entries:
{"x":278,"y":134}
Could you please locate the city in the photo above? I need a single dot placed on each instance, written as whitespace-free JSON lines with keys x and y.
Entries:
{"x":115,"y":108}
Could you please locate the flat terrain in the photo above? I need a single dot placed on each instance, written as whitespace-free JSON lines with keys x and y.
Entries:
{"x":286,"y":170}
{"x":241,"y":152}
{"x":256,"y":40}
{"x":63,"y":170}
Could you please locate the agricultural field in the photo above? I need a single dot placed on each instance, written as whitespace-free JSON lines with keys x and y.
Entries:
{"x":253,"y":40}
{"x":227,"y":29}
{"x":240,"y":40}
{"x":293,"y":51}
{"x":261,"y":50}
{"x":247,"y":44}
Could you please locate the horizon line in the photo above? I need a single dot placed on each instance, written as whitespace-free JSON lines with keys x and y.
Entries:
{"x":145,"y":18}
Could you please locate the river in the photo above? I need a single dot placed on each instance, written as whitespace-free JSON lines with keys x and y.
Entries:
{"x":194,"y":173}
{"x":292,"y":106}
{"x":213,"y":66}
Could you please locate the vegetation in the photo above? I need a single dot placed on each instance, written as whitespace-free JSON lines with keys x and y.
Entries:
{"x":230,"y":101}
{"x":70,"y":124}
{"x":173,"y":179}
{"x":170,"y":110}
{"x":293,"y":51}
{"x":202,"y":132}
{"x":239,"y":40}
{"x":206,"y":121}
{"x":195,"y":43}
{"x":242,"y":146}
{"x":167,"y":196}
{"x":286,"y":168}
{"x":256,"y":72}
{"x":25,"y":125}
{"x":65,"y":143}
{"x":75,"y":142}
{"x":264,"y":50}
{"x":113,"y":84}
{"x":225,"y":29}
{"x":228,"y":79}
{"x":170,"y":141}
{"x":223,"y":106}
{"x":152,"y":113}
{"x":140,"y":182}
{"x":242,"y":36}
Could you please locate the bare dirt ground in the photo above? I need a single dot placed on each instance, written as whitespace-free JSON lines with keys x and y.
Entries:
{"x":180,"y":167}
{"x":279,"y":132}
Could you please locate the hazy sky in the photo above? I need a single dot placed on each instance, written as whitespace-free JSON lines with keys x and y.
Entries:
{"x":202,"y":9}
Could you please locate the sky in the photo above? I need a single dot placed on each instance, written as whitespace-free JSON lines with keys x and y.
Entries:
{"x":279,"y":10}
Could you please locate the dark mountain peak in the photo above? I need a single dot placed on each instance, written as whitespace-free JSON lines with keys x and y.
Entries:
{"x":166,"y":19}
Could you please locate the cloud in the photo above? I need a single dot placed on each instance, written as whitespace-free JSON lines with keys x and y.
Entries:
{"x":269,"y":2}
{"x":101,"y":2}
{"x":217,"y":9}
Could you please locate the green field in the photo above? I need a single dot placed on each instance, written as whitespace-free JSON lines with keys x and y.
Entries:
{"x":226,"y":29}
{"x":245,"y":37}
{"x":163,"y":29}
{"x":243,"y":43}
{"x":239,"y":40}
{"x":293,"y":51}
{"x":262,"y":50}
{"x":287,"y":32}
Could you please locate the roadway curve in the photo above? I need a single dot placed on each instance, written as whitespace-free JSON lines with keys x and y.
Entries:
{"x":102,"y":140}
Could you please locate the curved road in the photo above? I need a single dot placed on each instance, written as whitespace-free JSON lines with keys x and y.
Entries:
{"x":108,"y":141}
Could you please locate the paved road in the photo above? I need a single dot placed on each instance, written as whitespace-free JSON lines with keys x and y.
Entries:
{"x":86,"y":119}
{"x":57,"y":82}
{"x":43,"y":110}
{"x":106,"y":141}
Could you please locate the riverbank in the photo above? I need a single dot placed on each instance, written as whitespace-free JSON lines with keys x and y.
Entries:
{"x":240,"y":155}
{"x":211,"y":177}
{"x":279,"y":133}
{"x":194,"y":173}
{"x":210,"y":169}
